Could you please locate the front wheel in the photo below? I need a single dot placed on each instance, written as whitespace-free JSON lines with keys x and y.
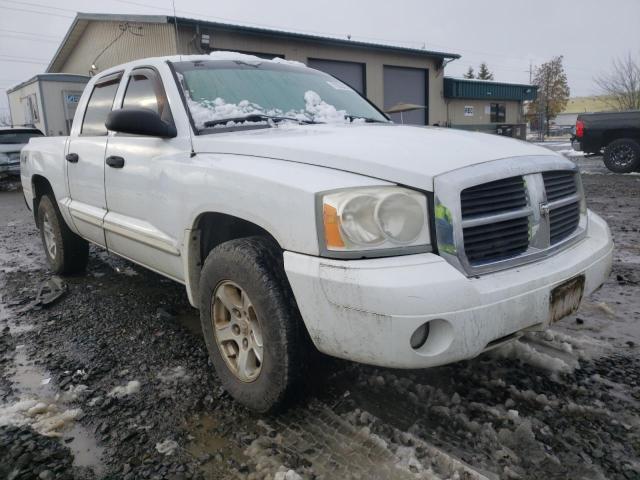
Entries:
{"x":622,"y":156}
{"x":251,"y":323}
{"x":66,"y":252}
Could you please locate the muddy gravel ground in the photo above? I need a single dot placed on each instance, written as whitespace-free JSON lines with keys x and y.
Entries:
{"x":112,"y":380}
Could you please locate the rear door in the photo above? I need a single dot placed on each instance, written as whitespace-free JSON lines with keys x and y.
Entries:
{"x":143,"y":191}
{"x":407,"y":85}
{"x":351,"y":73}
{"x":85,"y":161}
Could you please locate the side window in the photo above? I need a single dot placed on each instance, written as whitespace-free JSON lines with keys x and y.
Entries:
{"x":144,"y":90}
{"x":98,"y":107}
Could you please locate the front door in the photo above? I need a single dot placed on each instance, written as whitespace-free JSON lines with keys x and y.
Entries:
{"x":142,"y":189}
{"x":85,"y":162}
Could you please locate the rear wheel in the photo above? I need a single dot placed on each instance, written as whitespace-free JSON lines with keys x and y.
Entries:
{"x":251,"y":323}
{"x":66,"y":252}
{"x":622,"y":156}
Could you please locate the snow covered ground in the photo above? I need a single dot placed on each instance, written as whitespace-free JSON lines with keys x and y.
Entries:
{"x":118,"y":368}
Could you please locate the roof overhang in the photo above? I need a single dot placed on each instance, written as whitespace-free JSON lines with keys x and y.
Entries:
{"x":51,"y":77}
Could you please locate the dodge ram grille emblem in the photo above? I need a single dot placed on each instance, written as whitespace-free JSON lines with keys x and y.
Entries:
{"x":544,"y":209}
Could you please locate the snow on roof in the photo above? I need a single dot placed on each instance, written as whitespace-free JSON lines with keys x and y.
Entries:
{"x":243,"y":57}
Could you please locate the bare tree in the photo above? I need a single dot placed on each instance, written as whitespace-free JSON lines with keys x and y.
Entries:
{"x":621,"y":84}
{"x":553,"y":90}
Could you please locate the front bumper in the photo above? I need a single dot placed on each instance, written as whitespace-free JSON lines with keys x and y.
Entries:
{"x":367,"y":310}
{"x":575,"y":144}
{"x":11,"y":168}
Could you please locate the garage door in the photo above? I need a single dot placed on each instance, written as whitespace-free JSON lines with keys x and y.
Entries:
{"x":351,"y":73}
{"x":407,"y":85}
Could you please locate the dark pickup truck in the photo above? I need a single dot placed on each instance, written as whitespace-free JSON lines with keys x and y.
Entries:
{"x":616,"y":134}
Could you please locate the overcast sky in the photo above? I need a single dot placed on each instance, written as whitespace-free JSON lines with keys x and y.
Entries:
{"x":507,"y":34}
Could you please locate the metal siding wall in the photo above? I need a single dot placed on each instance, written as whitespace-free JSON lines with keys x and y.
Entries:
{"x":159,"y":39}
{"x":156,"y":40}
{"x":460,"y":89}
{"x":18,"y":105}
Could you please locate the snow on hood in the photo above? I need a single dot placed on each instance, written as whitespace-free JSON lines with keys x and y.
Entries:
{"x":402,"y":154}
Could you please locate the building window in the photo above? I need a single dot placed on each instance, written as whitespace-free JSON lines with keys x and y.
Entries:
{"x":498,"y":113}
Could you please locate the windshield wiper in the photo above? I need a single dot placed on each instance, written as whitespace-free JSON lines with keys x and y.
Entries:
{"x":255,"y":117}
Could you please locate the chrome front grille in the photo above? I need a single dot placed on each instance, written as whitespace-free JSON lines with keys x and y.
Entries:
{"x":496,"y":241}
{"x":487,"y":242}
{"x":497,"y":196}
{"x":563,"y":221}
{"x":508,"y":212}
{"x":559,"y":184}
{"x":565,"y":217}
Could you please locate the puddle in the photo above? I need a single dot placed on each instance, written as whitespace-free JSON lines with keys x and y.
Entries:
{"x":210,"y":446}
{"x":32,"y":382}
{"x":32,"y":386}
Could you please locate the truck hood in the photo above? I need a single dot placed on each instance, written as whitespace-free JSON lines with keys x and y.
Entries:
{"x":397,"y":153}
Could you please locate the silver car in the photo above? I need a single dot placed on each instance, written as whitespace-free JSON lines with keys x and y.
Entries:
{"x":12,"y":139}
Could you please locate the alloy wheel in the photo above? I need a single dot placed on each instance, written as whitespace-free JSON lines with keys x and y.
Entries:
{"x":237,"y":331}
{"x":622,"y":156}
{"x":49,"y":236}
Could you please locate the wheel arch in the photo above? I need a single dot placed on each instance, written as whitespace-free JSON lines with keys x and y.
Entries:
{"x":208,"y":230}
{"x":619,"y":134}
{"x":39,"y":187}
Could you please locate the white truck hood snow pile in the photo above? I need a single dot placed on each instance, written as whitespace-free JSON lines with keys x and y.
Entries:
{"x":397,"y":153}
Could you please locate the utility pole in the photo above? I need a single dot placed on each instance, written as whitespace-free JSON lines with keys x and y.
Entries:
{"x":530,"y":72}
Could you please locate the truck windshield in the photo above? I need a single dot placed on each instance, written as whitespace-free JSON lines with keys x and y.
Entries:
{"x":239,"y":93}
{"x":17,"y":137}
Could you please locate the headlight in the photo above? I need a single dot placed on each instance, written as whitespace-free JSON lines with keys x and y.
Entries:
{"x":374,"y":218}
{"x":4,"y":158}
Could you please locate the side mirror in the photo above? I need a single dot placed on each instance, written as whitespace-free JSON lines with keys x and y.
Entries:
{"x":139,"y":121}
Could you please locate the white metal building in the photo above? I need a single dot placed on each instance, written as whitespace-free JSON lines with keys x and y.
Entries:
{"x":47,"y":101}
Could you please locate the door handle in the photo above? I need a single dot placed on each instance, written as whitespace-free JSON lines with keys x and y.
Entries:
{"x":72,"y":157}
{"x":115,"y":162}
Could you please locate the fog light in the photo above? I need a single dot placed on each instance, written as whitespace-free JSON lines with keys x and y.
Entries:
{"x":419,"y":336}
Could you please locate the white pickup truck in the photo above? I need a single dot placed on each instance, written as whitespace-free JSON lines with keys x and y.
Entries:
{"x":296,"y":214}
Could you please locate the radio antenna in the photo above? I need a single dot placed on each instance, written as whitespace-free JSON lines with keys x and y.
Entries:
{"x":175,"y":27}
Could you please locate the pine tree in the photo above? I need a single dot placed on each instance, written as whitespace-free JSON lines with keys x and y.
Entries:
{"x":484,"y":73}
{"x":553,"y":90}
{"x":470,"y":73}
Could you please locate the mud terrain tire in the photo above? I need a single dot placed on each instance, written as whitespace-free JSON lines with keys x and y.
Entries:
{"x":66,"y":252}
{"x":255,"y":265}
{"x":622,"y":156}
